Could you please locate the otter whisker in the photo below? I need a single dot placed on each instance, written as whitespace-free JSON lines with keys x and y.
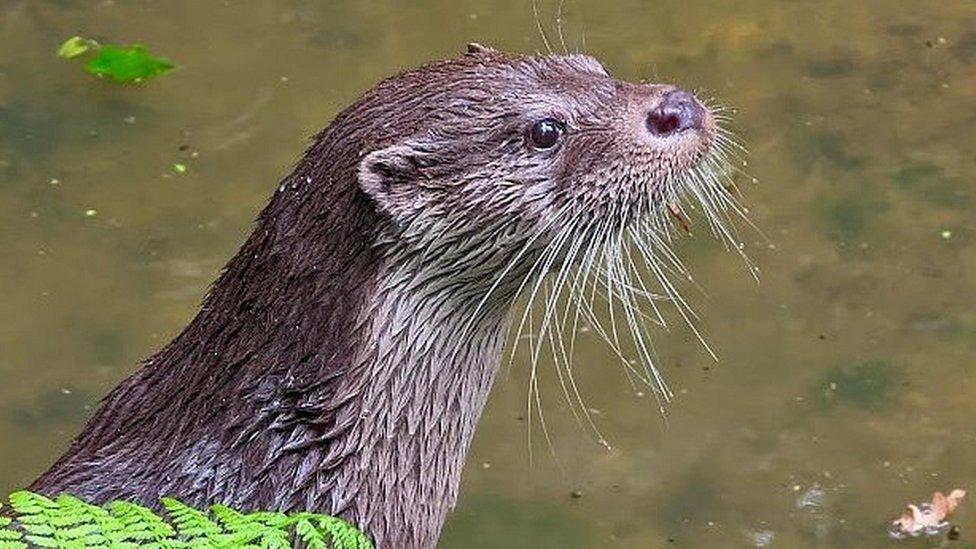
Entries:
{"x":671,"y":263}
{"x":658,"y":245}
{"x":578,"y":294}
{"x":664,"y":270}
{"x":556,"y":330}
{"x":536,"y":394}
{"x":597,"y":326}
{"x":644,"y":292}
{"x":639,"y":292}
{"x":561,"y":352}
{"x":559,"y":26}
{"x":618,"y":285}
{"x":687,"y":313}
{"x":703,"y":189}
{"x":579,"y":283}
{"x":742,"y":213}
{"x":559,"y":282}
{"x":609,"y":285}
{"x":585,"y":300}
{"x":728,"y":140}
{"x":613,"y":337}
{"x":512,"y":264}
{"x":637,"y":330}
{"x":547,"y":327}
{"x":721,"y":223}
{"x":700,"y":189}
{"x":538,"y":24}
{"x":546,"y":260}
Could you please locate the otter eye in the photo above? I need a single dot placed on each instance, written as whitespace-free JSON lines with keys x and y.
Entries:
{"x":544,"y":134}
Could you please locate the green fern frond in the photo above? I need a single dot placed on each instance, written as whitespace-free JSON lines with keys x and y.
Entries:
{"x":338,"y":531}
{"x":270,"y":530}
{"x":67,"y":522}
{"x":190,"y":523}
{"x":141,"y":526}
{"x":10,"y":539}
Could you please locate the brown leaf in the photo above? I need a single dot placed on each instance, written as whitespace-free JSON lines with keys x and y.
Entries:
{"x":940,"y":506}
{"x":916,"y":519}
{"x":954,"y":499}
{"x":906,"y":522}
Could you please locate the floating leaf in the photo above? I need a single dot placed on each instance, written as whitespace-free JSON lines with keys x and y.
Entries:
{"x":74,"y":46}
{"x":928,"y":519}
{"x":127,"y":64}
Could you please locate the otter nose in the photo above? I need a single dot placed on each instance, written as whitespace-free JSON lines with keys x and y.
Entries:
{"x":677,"y":111}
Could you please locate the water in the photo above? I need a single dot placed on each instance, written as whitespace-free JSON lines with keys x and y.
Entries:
{"x":845,"y":379}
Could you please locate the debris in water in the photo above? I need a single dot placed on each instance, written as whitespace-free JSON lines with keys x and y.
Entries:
{"x":760,"y":538}
{"x":75,"y":46}
{"x":813,"y":498}
{"x":927,"y":519}
{"x":679,"y":216}
{"x":179,"y":168}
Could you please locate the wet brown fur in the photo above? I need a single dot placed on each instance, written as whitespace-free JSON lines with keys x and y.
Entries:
{"x":258,"y":402}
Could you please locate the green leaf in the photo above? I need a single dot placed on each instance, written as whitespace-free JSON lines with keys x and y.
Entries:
{"x":127,"y":64}
{"x":190,"y":522}
{"x":9,"y":538}
{"x":67,"y":522}
{"x":312,"y":537}
{"x":74,"y":46}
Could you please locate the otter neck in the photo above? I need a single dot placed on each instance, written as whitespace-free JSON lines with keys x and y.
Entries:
{"x":330,"y":369}
{"x":373,"y":426}
{"x":425,"y":373}
{"x":378,"y":423}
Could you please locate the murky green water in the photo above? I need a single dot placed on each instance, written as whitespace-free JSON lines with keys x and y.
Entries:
{"x":848,"y":372}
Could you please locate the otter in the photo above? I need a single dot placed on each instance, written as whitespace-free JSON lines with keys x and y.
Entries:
{"x":342,"y":358}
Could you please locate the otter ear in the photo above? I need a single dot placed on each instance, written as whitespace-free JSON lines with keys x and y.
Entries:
{"x":388,"y":176}
{"x":475,"y":48}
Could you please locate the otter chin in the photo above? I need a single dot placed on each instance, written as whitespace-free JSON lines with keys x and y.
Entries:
{"x":341,"y":361}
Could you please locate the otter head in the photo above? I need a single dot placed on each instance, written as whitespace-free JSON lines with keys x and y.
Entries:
{"x":504,"y":140}
{"x":523,"y":165}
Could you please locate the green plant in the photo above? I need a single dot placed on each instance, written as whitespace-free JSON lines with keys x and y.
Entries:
{"x":122,"y":64}
{"x":68,"y":522}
